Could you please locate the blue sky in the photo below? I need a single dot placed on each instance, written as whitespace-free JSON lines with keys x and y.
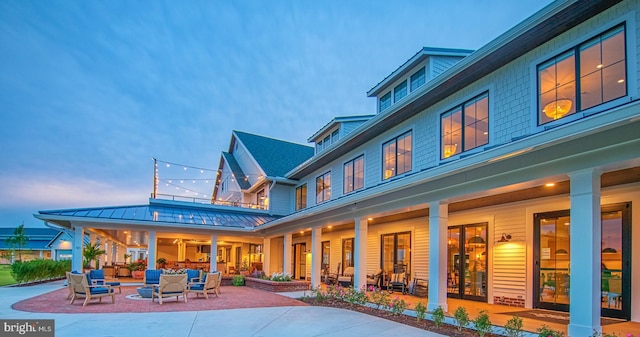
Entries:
{"x":90,"y":91}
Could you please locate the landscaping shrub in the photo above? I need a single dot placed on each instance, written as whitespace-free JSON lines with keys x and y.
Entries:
{"x":237,"y":281}
{"x":280,"y":277}
{"x":354,"y":296}
{"x":438,"y":316}
{"x":39,"y":270}
{"x":483,"y":323}
{"x":545,"y":331}
{"x":379,"y":297}
{"x":397,"y":306}
{"x":513,"y":328}
{"x":462,"y":318}
{"x":421,"y":310}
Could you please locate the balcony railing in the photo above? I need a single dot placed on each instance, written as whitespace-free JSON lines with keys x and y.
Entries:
{"x":205,"y":201}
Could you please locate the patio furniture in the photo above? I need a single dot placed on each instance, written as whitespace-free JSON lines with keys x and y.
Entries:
{"x":97,"y":277}
{"x":69,"y":283}
{"x":420,"y":287}
{"x":193,"y":275}
{"x":123,"y":271}
{"x":152,"y":277}
{"x":144,"y":292}
{"x":210,"y":284}
{"x":614,"y":295}
{"x":346,"y":279}
{"x":81,"y":288}
{"x":170,"y":285}
{"x":376,"y":279}
{"x":332,"y":278}
{"x":399,"y":279}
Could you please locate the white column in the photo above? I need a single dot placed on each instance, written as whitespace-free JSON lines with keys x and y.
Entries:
{"x":103,"y":258}
{"x":114,"y":252}
{"x":585,"y":260}
{"x":266,"y":251}
{"x":316,"y":256}
{"x":151,"y":259}
{"x":76,"y":252}
{"x":213,"y":261}
{"x":182,"y":251}
{"x":438,"y":221}
{"x":107,"y":251}
{"x":360,"y":253}
{"x":53,"y":254}
{"x":286,"y":247}
{"x":41,"y":254}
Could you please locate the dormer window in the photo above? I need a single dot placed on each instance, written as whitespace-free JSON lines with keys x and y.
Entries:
{"x":418,"y":79}
{"x":400,"y":91}
{"x":385,"y":101}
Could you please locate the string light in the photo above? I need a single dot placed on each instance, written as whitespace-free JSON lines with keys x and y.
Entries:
{"x":196,"y":182}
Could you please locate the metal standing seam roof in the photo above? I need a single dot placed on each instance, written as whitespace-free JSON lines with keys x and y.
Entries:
{"x":275,"y":157}
{"x":168,"y":214}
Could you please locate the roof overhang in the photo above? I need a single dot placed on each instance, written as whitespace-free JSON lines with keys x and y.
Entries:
{"x":541,"y":27}
{"x":609,"y":141}
{"x":420,"y":56}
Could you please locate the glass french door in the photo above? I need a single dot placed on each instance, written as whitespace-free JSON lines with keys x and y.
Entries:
{"x":553,"y":280}
{"x":347,"y":253}
{"x":299,"y":261}
{"x":395,"y":250}
{"x":467,"y":262}
{"x":553,"y":252}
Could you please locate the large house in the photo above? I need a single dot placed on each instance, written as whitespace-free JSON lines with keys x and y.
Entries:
{"x":507,"y":175}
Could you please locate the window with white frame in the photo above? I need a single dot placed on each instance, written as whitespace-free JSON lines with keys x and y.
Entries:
{"x":301,"y":197}
{"x":323,"y":187}
{"x":396,"y":156}
{"x":417,"y":79}
{"x":585,"y":76}
{"x":335,"y":135}
{"x":465,"y":127}
{"x":400,"y":91}
{"x":353,"y":175}
{"x":261,"y":199}
{"x":385,"y":101}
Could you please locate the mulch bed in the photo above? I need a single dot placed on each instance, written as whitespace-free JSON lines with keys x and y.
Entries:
{"x":445,"y":329}
{"x":231,"y":298}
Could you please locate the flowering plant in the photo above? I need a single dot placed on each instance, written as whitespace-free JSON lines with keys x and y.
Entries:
{"x":138,"y":265}
{"x":174,"y":271}
{"x":280,"y":277}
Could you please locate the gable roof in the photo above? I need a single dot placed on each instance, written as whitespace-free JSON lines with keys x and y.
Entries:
{"x":408,"y":65}
{"x":37,"y":238}
{"x":236,"y":170}
{"x":553,"y":20}
{"x":338,"y":120}
{"x":275,"y":157}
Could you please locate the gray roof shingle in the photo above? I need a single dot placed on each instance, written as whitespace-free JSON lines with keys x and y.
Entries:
{"x":275,"y":157}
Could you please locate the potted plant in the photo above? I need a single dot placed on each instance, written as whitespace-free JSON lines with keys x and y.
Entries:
{"x":162,"y":262}
{"x":244,"y":268}
{"x":90,"y":253}
{"x":137,"y":268}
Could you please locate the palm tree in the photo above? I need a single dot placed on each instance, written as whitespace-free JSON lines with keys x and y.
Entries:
{"x":18,"y":240}
{"x":90,"y":253}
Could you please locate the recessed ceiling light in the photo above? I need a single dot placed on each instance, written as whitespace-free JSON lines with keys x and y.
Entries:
{"x":550,"y":184}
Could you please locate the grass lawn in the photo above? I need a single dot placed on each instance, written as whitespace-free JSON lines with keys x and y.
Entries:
{"x":5,"y":275}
